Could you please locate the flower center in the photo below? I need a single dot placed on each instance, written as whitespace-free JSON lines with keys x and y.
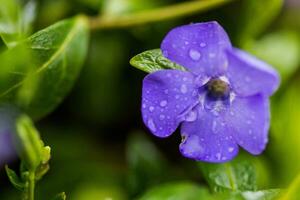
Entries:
{"x":217,"y":88}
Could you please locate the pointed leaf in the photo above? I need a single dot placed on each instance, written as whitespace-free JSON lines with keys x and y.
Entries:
{"x":153,"y":60}
{"x":14,"y":179}
{"x":60,"y":196}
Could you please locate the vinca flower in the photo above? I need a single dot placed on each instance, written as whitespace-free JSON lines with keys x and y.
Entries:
{"x":220,"y":101}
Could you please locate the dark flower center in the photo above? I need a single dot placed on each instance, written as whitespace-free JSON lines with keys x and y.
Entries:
{"x":217,"y":88}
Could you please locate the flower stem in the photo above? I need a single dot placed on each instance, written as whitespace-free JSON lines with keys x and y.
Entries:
{"x":31,"y":186}
{"x":154,"y":15}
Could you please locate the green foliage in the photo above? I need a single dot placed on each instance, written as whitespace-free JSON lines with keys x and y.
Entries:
{"x":58,"y":53}
{"x":15,"y":20}
{"x":153,"y":60}
{"x":177,"y":191}
{"x":14,"y":179}
{"x":60,"y":196}
{"x":281,"y":50}
{"x":237,"y":175}
{"x":264,"y":13}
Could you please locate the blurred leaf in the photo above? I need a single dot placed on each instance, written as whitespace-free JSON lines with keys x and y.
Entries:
{"x":280,"y":49}
{"x":98,"y":192}
{"x":154,"y":15}
{"x":119,"y":7}
{"x":14,"y":179}
{"x":264,"y":13}
{"x":237,"y":175}
{"x":58,"y":53}
{"x":153,"y":60}
{"x":15,"y":20}
{"x":177,"y":191}
{"x":270,"y":194}
{"x":146,"y":165}
{"x":285,"y":130}
{"x":60,"y":196}
{"x":29,"y":144}
{"x":293,"y":191}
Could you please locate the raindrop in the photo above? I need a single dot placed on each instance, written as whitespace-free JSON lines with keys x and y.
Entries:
{"x":218,"y":156}
{"x":230,"y":149}
{"x":161,"y":117}
{"x":144,"y":105}
{"x":151,"y":125}
{"x":176,"y":96}
{"x":249,"y":122}
{"x":191,"y":116}
{"x":194,"y":54}
{"x":202,"y":44}
{"x":166,"y":91}
{"x":183,"y":89}
{"x":151,"y":108}
{"x":212,"y":55}
{"x":214,"y":126}
{"x":163,"y":103}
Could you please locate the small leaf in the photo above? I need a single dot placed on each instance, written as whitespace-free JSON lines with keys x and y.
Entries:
{"x":177,"y":191}
{"x":153,"y":60}
{"x":57,"y":54}
{"x":237,"y":175}
{"x":14,"y":179}
{"x":60,"y":196}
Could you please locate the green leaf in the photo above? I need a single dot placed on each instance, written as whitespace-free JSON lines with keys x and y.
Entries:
{"x":280,"y":49}
{"x":16,"y":20}
{"x":237,"y":175}
{"x":264,"y":12}
{"x":177,"y":191}
{"x":146,"y":164}
{"x":293,"y":191}
{"x":60,"y":196}
{"x":29,"y":144}
{"x":57,"y":54}
{"x":153,"y":60}
{"x":14,"y":179}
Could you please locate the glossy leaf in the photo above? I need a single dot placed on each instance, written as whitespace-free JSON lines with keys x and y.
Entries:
{"x":177,"y":191}
{"x":14,"y":179}
{"x":57,"y":54}
{"x":153,"y":60}
{"x":237,"y":175}
{"x":293,"y":191}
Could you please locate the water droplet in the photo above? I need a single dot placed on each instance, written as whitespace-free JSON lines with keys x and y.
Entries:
{"x":163,"y":103}
{"x":202,"y":44}
{"x":144,"y":105}
{"x":194,"y":54}
{"x":151,"y":125}
{"x":161,"y":117}
{"x":166,"y":91}
{"x":250,"y":132}
{"x":214,"y":126}
{"x":151,"y":108}
{"x":249,"y":122}
{"x":176,"y":96}
{"x":231,"y":113}
{"x":230,"y":149}
{"x":186,"y":42}
{"x":218,"y":156}
{"x":191,"y":116}
{"x":183,"y":88}
{"x":184,"y":79}
{"x":212,"y":55}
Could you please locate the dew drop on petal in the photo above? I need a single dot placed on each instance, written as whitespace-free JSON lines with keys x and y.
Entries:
{"x":230,"y":149}
{"x":218,"y":156}
{"x":151,"y":125}
{"x":163,"y":103}
{"x":161,"y":117}
{"x":151,"y":108}
{"x":144,"y":105}
{"x":202,"y":44}
{"x":191,"y":116}
{"x":194,"y":54}
{"x":183,"y":89}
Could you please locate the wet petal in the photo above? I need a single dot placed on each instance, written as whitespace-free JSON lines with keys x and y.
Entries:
{"x":249,"y":119}
{"x":198,"y":47}
{"x":166,"y":94}
{"x":208,"y":138}
{"x":249,"y":76}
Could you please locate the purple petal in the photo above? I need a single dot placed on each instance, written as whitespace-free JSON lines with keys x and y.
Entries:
{"x":198,"y":47}
{"x":208,"y":138}
{"x":249,"y":118}
{"x":249,"y":76}
{"x":7,"y":151}
{"x":166,"y":94}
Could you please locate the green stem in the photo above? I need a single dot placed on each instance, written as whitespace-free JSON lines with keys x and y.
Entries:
{"x":31,"y":185}
{"x":154,"y":15}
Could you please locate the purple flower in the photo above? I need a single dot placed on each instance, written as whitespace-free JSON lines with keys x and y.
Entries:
{"x":221,"y":101}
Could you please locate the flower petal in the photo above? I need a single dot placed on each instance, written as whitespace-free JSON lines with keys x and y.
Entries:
{"x":249,"y":76}
{"x":208,"y":138}
{"x":198,"y":47}
{"x":166,"y":94}
{"x":249,"y":118}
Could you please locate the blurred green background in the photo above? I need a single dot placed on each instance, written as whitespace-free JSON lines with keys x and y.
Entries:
{"x":100,"y":147}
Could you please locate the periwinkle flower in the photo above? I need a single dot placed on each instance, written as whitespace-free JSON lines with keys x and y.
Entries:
{"x":221,"y":101}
